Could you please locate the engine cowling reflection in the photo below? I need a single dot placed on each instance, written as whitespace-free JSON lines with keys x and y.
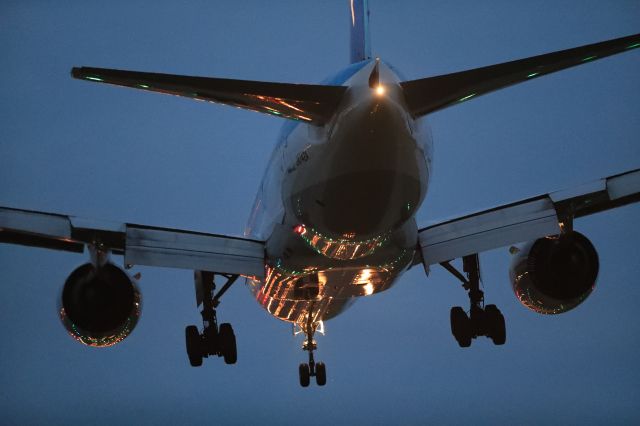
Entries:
{"x":99,"y":306}
{"x":555,"y":274}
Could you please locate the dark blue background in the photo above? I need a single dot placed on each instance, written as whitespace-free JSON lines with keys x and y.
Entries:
{"x":120,"y":154}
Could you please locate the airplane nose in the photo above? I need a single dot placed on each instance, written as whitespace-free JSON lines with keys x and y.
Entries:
{"x":369,"y":178}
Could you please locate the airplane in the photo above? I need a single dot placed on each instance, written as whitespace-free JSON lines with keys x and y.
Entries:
{"x":334,"y":218}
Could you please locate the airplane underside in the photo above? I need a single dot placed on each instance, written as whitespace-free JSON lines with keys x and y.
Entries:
{"x":334,"y":218}
{"x":321,"y":295}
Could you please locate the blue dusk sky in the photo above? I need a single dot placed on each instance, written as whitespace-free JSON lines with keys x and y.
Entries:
{"x":112,"y":153}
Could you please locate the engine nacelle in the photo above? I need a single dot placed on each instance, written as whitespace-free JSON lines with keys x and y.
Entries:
{"x":553,"y":275}
{"x":100,"y":307}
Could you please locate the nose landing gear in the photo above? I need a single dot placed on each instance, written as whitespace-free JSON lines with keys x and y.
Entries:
{"x":213,"y":340}
{"x":311,"y":369}
{"x":482,"y":320}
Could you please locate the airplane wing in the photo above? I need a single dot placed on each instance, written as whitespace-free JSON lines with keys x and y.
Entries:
{"x":313,"y":104}
{"x":140,"y":245}
{"x":431,"y":94}
{"x":525,"y":220}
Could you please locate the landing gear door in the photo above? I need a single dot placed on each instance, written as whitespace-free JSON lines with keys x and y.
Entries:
{"x":197,"y":281}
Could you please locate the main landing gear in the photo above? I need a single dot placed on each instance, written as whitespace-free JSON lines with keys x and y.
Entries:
{"x":311,"y":369}
{"x":482,"y":320}
{"x":213,"y":340}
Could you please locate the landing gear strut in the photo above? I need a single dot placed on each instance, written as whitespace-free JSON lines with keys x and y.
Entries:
{"x":213,"y":340}
{"x":311,"y":369}
{"x":482,"y":320}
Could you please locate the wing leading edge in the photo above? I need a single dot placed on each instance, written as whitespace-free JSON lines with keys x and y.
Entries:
{"x":431,"y":94}
{"x":309,"y":103}
{"x":140,"y":245}
{"x":525,"y":220}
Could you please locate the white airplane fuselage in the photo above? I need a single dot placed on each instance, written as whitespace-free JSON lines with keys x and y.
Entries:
{"x":337,"y":202}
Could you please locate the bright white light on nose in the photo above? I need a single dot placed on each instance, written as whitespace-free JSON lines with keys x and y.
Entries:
{"x":368,"y":289}
{"x":380,"y":90}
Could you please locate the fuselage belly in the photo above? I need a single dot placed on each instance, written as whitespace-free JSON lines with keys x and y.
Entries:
{"x":337,"y":202}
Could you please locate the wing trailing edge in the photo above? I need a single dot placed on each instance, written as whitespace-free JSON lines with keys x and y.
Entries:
{"x":431,"y":94}
{"x":140,"y":244}
{"x":525,"y":220}
{"x":309,"y":103}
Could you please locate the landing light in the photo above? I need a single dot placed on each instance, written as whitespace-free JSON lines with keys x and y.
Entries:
{"x":368,"y":289}
{"x":380,"y":90}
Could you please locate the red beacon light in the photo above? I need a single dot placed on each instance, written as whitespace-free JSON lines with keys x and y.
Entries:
{"x":299,"y":229}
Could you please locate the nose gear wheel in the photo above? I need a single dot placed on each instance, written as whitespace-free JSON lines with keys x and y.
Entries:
{"x":311,"y":369}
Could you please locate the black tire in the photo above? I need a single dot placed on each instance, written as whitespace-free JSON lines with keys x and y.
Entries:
{"x":305,"y":377}
{"x":496,"y":325}
{"x":194,"y":345}
{"x":321,"y":374}
{"x":228,"y":343}
{"x":460,"y":326}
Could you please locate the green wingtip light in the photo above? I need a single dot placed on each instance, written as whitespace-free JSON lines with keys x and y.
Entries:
{"x":93,"y":78}
{"x":533,"y":74}
{"x":272,"y":111}
{"x":633,"y":46}
{"x":466,"y":97}
{"x":143,"y":86}
{"x":589,"y":58}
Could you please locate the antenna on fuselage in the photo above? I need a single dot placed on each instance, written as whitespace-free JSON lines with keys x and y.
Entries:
{"x":374,"y":78}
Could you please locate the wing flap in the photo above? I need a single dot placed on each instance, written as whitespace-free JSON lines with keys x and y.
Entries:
{"x":490,"y":229}
{"x":34,"y":222}
{"x":603,"y":194}
{"x":431,"y":94}
{"x":525,"y":220}
{"x":624,"y":186}
{"x":314,"y":104}
{"x":37,"y":229}
{"x":190,"y":250}
{"x":140,"y":245}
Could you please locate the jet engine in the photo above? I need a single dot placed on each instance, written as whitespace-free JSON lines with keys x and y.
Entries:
{"x":555,"y":274}
{"x":99,"y":306}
